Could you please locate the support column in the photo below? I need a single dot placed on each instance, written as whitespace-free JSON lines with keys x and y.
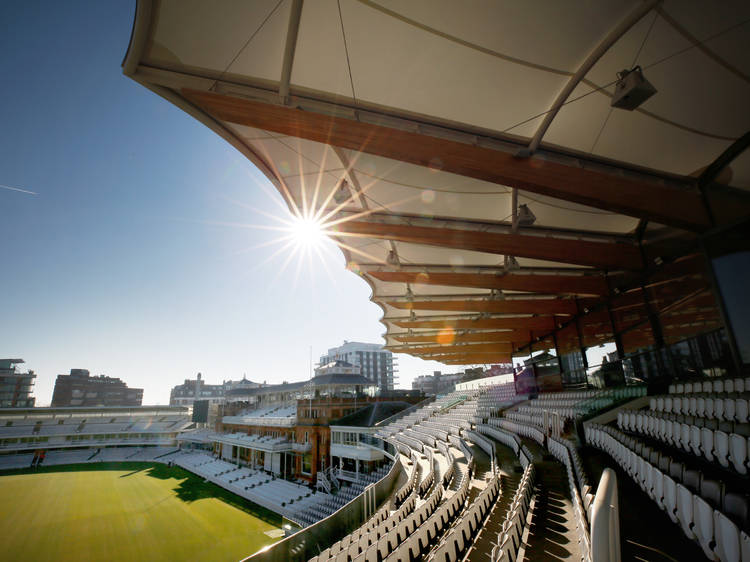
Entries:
{"x":655,"y":324}
{"x":734,"y":349}
{"x":557,"y":354}
{"x":617,"y":337}
{"x":579,"y":331}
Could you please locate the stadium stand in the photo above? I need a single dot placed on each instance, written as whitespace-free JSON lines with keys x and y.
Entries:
{"x":717,"y":520}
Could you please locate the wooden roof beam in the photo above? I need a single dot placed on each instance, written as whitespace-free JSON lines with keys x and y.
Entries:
{"x":515,"y":306}
{"x":628,"y":196}
{"x":469,"y":358}
{"x":592,"y":285}
{"x":454,"y":336}
{"x":529,"y":323}
{"x":603,"y":255}
{"x":496,"y":347}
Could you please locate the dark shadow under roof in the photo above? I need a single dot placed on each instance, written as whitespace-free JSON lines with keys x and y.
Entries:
{"x":371,"y":414}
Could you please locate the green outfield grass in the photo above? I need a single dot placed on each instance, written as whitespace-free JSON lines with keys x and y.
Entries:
{"x":126,"y":511}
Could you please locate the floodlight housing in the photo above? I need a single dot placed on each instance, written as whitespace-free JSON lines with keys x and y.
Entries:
{"x":631,"y":89}
{"x":525,"y":216}
{"x":342,"y":192}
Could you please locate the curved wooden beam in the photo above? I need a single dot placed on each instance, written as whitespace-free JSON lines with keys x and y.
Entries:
{"x":632,"y":197}
{"x":603,"y":255}
{"x":592,"y":285}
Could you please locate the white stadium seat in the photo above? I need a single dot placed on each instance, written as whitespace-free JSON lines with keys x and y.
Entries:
{"x":741,"y":413}
{"x":695,"y":440}
{"x":670,"y":498}
{"x":703,"y":515}
{"x":721,"y":448}
{"x":738,"y":452}
{"x":729,"y":409}
{"x":685,"y":510}
{"x":707,"y":443}
{"x":658,"y":487}
{"x":727,"y":538}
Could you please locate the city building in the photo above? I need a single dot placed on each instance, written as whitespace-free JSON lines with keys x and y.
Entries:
{"x":79,"y":388}
{"x":15,"y":387}
{"x":375,"y":363}
{"x":197,"y":389}
{"x":436,"y":383}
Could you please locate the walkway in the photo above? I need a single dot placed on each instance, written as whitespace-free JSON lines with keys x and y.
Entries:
{"x":552,"y":533}
{"x":486,"y":538}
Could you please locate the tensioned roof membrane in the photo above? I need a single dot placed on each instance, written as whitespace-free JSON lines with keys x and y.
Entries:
{"x":407,"y":127}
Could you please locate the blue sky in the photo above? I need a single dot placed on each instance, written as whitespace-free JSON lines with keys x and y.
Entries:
{"x":123,"y":262}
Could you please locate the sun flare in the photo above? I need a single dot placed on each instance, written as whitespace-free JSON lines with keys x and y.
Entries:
{"x":307,"y":231}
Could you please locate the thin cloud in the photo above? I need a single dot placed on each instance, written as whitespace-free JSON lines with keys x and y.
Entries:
{"x":18,"y":189}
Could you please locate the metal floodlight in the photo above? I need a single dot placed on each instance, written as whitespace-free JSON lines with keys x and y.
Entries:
{"x":392,"y":258}
{"x":631,"y":89}
{"x":525,"y":216}
{"x":511,"y":264}
{"x":342,"y":192}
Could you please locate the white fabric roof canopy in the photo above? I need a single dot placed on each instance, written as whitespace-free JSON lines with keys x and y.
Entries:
{"x":481,"y":74}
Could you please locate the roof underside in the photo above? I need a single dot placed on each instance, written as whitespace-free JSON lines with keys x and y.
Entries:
{"x":422,"y":110}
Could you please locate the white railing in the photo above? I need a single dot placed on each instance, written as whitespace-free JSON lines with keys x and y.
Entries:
{"x":605,"y":520}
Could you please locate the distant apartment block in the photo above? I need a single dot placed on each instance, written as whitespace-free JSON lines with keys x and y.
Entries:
{"x":196,"y":389}
{"x":15,"y":387}
{"x":436,"y":383}
{"x":79,"y":388}
{"x":374,"y":362}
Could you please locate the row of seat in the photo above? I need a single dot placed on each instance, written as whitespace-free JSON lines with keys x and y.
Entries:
{"x":461,"y":537}
{"x":525,"y":430}
{"x":432,"y":431}
{"x":411,"y":442}
{"x":710,"y":423}
{"x":377,"y":526}
{"x":564,"y":452}
{"x":403,"y":492}
{"x":726,"y":408}
{"x":509,"y":538}
{"x":416,"y":433}
{"x":565,"y":412}
{"x":502,"y":436}
{"x":529,"y":419}
{"x":375,"y":546}
{"x":439,"y":522}
{"x":718,"y":385}
{"x":448,"y":475}
{"x":734,"y":503}
{"x":719,"y":537}
{"x":429,"y":478}
{"x":483,"y":443}
{"x":715,"y":445}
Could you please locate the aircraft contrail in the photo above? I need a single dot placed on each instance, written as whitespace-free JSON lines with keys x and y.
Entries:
{"x":18,"y":189}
